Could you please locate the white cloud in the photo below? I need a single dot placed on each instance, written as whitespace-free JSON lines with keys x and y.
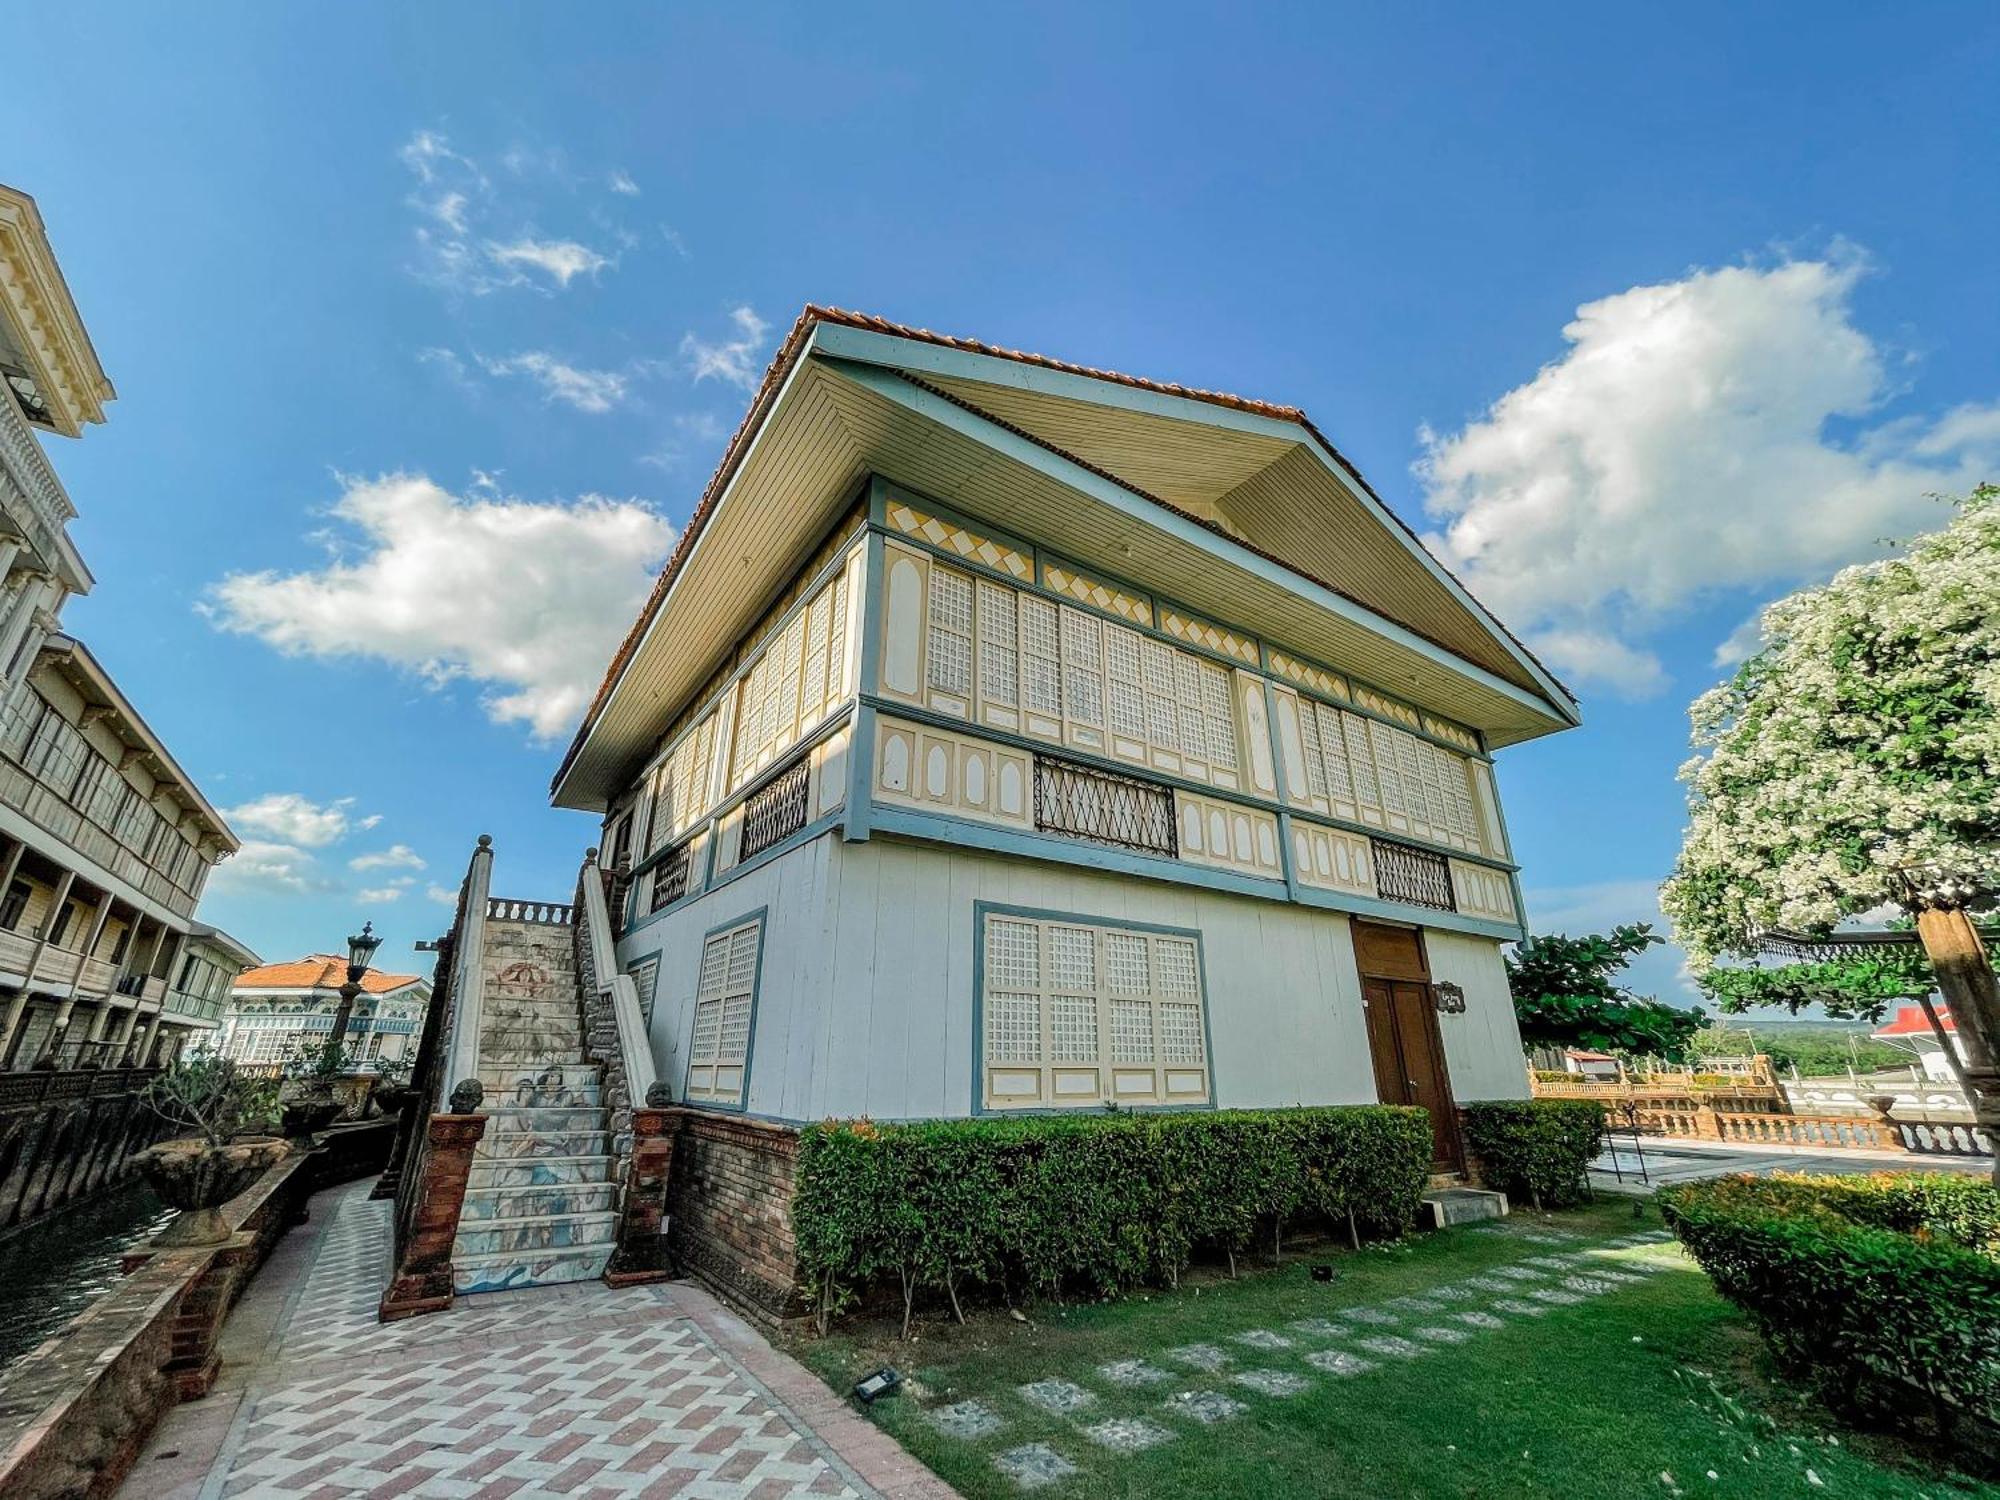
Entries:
{"x":376,"y":894}
{"x":562,"y":261}
{"x":586,"y":390}
{"x":294,"y":818}
{"x":264,"y":865}
{"x":621,"y":182}
{"x":395,"y":857}
{"x":472,"y":239}
{"x":1681,"y":446}
{"x":527,"y":598}
{"x":732,"y":359}
{"x":1742,"y":643}
{"x":444,"y":895}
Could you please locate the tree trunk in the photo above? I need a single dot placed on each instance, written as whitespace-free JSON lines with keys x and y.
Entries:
{"x":1965,"y":979}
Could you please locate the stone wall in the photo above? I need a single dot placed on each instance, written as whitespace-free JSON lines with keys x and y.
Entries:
{"x":729,"y":1201}
{"x":65,"y":1135}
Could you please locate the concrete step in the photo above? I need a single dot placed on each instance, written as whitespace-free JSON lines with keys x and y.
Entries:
{"x":543,"y":1232}
{"x":510,"y":1270}
{"x":510,"y":1145}
{"x":527,"y":1089}
{"x":507,"y":1119}
{"x":1462,"y":1205}
{"x":537,"y":1171}
{"x":569,"y":1075}
{"x":538,"y":1199}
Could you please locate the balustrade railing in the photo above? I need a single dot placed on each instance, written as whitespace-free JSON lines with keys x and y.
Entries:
{"x":1413,"y":876}
{"x":1942,"y":1138}
{"x":671,"y":875}
{"x":1104,"y":807}
{"x":776,"y":810}
{"x":546,"y":913}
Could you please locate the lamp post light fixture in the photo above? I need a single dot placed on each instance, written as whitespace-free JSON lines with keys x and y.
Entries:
{"x":360,"y":952}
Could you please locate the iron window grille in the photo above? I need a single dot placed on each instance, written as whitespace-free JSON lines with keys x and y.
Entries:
{"x":1415,"y":877}
{"x":777,"y":810}
{"x":670,"y":875}
{"x":1104,"y":807}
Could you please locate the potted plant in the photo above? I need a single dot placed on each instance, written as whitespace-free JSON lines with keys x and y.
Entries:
{"x":223,"y":1110}
{"x":392,"y":1085}
{"x":307,"y":1102}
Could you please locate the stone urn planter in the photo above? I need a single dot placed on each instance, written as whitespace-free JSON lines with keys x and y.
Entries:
{"x":305,"y":1113}
{"x":198,"y":1178}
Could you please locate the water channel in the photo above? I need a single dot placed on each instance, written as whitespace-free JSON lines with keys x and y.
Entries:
{"x":51,"y":1270}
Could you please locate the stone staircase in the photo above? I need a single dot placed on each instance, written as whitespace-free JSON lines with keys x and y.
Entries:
{"x":540,"y":1205}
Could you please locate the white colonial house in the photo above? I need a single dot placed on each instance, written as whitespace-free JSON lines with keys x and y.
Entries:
{"x":106,"y":842}
{"x":275,"y":1009}
{"x":1005,"y":735}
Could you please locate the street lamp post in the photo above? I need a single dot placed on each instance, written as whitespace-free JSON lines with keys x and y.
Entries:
{"x":360,"y":950}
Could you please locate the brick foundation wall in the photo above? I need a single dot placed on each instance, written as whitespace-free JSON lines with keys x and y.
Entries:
{"x":729,"y":1199}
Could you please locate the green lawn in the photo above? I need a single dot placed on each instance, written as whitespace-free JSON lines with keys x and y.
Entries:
{"x":1655,"y":1377}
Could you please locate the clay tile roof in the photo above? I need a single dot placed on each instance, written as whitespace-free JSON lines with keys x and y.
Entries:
{"x":1909,"y":1020}
{"x":318,"y":971}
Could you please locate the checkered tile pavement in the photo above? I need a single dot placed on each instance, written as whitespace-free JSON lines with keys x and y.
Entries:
{"x":577,"y":1391}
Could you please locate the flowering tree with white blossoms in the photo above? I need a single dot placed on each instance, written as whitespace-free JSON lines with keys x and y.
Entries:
{"x":1854,"y":763}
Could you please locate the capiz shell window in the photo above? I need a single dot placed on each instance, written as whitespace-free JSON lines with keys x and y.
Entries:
{"x":725,"y":1004}
{"x":1076,"y":1013}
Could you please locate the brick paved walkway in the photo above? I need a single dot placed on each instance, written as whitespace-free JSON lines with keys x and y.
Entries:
{"x":576,"y":1390}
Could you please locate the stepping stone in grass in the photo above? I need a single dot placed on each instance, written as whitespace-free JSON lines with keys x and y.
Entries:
{"x":1340,"y":1362}
{"x":1441,"y":1335}
{"x":1198,"y":1356}
{"x":1319,"y":1328}
{"x":1518,"y":1273}
{"x":1492,"y":1283}
{"x":1132,"y":1372}
{"x":1476,"y":1319}
{"x":1414,"y":1305}
{"x":1034,"y":1465}
{"x":1262,"y":1338}
{"x":1449,"y":1294}
{"x":966,"y":1419}
{"x":1271,"y":1382}
{"x":1373,"y":1315}
{"x":1059,"y":1398}
{"x":1555,"y":1297}
{"x":1128,"y":1434}
{"x":1550,"y":1262}
{"x":1205,"y":1407}
{"x":1519,"y":1308}
{"x":1591,"y":1286}
{"x":1390,"y":1346}
{"x":1621,"y":1278}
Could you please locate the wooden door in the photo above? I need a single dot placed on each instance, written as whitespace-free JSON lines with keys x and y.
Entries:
{"x":1403,"y":1038}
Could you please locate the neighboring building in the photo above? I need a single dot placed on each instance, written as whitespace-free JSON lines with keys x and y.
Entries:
{"x":1598,"y":1066}
{"x":1005,"y":736}
{"x":200,"y":992}
{"x":1911,"y":1029}
{"x":275,"y":1008}
{"x":105,"y":842}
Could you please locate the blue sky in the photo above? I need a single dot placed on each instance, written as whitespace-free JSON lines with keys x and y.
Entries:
{"x":402,"y":301}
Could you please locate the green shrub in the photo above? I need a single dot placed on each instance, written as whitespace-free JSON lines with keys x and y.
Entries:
{"x":1098,"y":1204}
{"x":1537,"y":1149}
{"x":1876,"y":1290}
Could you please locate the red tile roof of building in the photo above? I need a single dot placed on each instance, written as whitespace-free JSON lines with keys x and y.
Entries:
{"x":319,"y":971}
{"x":1910,"y":1020}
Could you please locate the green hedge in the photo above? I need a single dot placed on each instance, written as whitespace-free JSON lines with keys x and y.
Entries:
{"x":1881,"y":1291}
{"x":1097,"y":1204}
{"x":1536,"y":1150}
